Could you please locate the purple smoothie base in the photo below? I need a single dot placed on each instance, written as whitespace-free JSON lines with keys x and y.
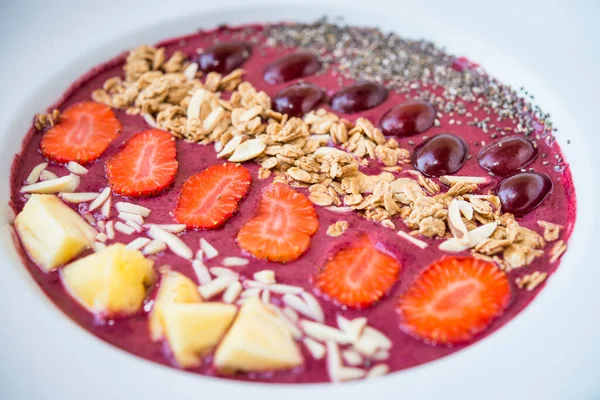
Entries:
{"x":131,"y":334}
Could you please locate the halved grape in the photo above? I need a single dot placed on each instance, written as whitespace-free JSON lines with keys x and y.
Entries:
{"x":440,"y":155}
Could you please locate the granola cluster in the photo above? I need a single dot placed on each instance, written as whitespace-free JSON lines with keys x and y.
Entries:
{"x":322,"y":153}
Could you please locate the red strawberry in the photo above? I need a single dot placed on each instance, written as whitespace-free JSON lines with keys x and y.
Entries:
{"x":454,"y":299}
{"x":282,"y":227}
{"x":210,"y":198}
{"x":145,"y":166}
{"x":359,"y":275}
{"x":82,"y":134}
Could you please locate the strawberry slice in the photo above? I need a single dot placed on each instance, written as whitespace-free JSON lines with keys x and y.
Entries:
{"x":82,"y":134}
{"x":454,"y":299}
{"x":358,"y":276}
{"x":210,"y":198}
{"x":281,"y":229}
{"x":145,"y":166}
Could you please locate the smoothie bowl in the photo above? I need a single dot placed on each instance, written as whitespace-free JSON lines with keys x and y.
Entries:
{"x":291,"y":203}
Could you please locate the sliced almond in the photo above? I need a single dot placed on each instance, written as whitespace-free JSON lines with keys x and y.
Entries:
{"x":316,"y":349}
{"x":383,"y":342}
{"x":355,"y":329}
{"x":381,"y":355}
{"x":235,"y":261}
{"x":76,"y":168}
{"x":296,"y":303}
{"x":208,"y":249}
{"x":323,"y":151}
{"x":216,"y":286}
{"x":292,"y":328}
{"x":352,"y":357}
{"x":47,"y":175}
{"x":150,"y":120}
{"x":212,"y":119}
{"x":232,"y":292}
{"x":98,"y":246}
{"x":201,"y":272}
{"x":314,"y":306}
{"x":366,"y":346}
{"x":339,"y":210}
{"x":456,"y":224}
{"x":101,"y":237}
{"x":265,"y":276}
{"x":378,"y":370}
{"x":154,"y":247}
{"x":252,"y":292}
{"x":126,"y":229}
{"x":110,"y":229}
{"x":67,"y":184}
{"x":196,"y":101}
{"x":476,"y":236}
{"x":132,"y":209}
{"x":127,"y":216}
{"x":190,"y":71}
{"x":248,"y":150}
{"x":176,"y":245}
{"x":220,"y":271}
{"x":106,"y":207}
{"x":138,"y":228}
{"x":173,"y":228}
{"x":138,"y":243}
{"x":104,"y":194}
{"x":80,"y":197}
{"x":322,"y":332}
{"x":35,"y":173}
{"x":334,"y":361}
{"x":451,"y":180}
{"x":291,"y":314}
{"x":419,"y":243}
{"x":231,"y":146}
{"x":466,"y":209}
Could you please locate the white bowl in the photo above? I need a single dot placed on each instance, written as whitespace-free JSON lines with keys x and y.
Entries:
{"x":548,"y":351}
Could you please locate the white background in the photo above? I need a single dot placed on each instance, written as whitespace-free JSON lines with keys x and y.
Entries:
{"x":551,"y":351}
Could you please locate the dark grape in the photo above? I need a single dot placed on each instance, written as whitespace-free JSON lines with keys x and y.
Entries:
{"x":440,"y":155}
{"x":521,"y":193}
{"x":292,"y":66}
{"x":408,"y":118}
{"x":297,"y":100}
{"x":224,"y":57}
{"x":507,"y":155}
{"x":359,"y":97}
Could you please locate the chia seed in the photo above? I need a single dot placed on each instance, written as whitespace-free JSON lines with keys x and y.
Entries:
{"x":362,"y":53}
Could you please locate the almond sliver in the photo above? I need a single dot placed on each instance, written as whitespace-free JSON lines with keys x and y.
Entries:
{"x":76,"y":198}
{"x":455,"y":222}
{"x":248,"y":150}
{"x":132,"y":208}
{"x":176,"y":245}
{"x":66,"y":184}
{"x":100,"y":199}
{"x":35,"y":173}
{"x":76,"y":168}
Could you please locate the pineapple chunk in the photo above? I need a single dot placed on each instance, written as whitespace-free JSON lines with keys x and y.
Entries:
{"x":110,"y":282}
{"x":174,"y":288}
{"x":257,"y":341}
{"x":193,"y":329}
{"x":51,"y":232}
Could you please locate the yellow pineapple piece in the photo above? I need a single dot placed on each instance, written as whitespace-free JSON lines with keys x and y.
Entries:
{"x":174,"y":288}
{"x":51,"y":232}
{"x":193,"y":329}
{"x":110,"y":282}
{"x":257,"y":341}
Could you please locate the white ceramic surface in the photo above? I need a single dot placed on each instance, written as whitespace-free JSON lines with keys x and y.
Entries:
{"x":549,"y":351}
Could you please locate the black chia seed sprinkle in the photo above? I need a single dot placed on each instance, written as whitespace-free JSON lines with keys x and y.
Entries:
{"x":361,"y":53}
